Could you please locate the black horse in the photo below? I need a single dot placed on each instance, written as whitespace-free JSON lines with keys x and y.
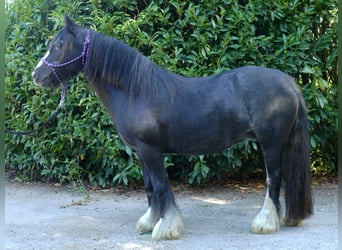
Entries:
{"x":156,"y":111}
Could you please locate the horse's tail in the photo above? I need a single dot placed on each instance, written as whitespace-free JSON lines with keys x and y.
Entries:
{"x":296,"y":169}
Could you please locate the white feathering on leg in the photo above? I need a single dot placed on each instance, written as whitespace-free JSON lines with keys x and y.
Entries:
{"x":145,"y":223}
{"x":169,"y":227}
{"x":267,"y":221}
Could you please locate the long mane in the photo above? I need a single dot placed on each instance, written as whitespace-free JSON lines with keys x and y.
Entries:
{"x":110,"y":61}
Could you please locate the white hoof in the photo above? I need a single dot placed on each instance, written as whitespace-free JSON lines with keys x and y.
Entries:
{"x":145,"y":223}
{"x":267,"y":221}
{"x":169,"y":227}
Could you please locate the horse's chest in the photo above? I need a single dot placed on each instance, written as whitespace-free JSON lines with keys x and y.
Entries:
{"x":138,"y":125}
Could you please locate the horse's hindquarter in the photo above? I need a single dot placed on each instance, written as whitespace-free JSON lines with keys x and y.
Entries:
{"x":270,"y":96}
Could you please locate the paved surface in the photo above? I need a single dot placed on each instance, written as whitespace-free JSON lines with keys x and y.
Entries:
{"x":46,"y":217}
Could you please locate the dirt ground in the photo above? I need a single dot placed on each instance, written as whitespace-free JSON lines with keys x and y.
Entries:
{"x":42,"y":216}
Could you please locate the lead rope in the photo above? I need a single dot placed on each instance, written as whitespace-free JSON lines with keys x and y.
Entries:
{"x":53,"y":116}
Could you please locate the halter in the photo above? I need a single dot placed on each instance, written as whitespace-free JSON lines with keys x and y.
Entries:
{"x":64,"y":87}
{"x":83,"y":55}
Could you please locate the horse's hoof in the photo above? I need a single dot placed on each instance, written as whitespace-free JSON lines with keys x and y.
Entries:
{"x":145,"y":224}
{"x":162,"y":232}
{"x":292,"y":222}
{"x":267,"y":221}
{"x":169,"y":227}
{"x":264,"y":228}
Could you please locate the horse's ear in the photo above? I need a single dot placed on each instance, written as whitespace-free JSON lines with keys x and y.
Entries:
{"x":69,"y":24}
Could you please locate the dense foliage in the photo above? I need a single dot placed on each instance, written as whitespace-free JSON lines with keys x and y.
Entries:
{"x":193,"y":38}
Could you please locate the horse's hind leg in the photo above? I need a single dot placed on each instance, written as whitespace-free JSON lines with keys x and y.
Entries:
{"x":162,"y":216}
{"x":269,"y":218}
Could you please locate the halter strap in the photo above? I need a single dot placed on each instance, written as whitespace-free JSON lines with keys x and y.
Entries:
{"x":83,"y":55}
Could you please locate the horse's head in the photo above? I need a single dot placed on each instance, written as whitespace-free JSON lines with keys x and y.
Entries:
{"x":65,"y":58}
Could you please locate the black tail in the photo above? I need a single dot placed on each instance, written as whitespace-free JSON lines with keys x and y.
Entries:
{"x":296,"y":169}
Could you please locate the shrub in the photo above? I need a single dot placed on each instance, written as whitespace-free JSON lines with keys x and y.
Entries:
{"x":196,"y":38}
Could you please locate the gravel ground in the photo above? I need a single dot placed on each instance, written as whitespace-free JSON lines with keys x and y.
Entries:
{"x":42,"y":216}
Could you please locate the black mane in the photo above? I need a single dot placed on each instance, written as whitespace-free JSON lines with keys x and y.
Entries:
{"x":110,"y":61}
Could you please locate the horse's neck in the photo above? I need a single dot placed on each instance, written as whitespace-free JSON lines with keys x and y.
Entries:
{"x":127,"y":72}
{"x":110,"y":61}
{"x":111,"y":98}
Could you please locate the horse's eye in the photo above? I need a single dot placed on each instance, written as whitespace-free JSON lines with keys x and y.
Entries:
{"x":59,"y":45}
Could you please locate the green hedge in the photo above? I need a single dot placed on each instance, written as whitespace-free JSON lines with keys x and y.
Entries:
{"x":196,"y":38}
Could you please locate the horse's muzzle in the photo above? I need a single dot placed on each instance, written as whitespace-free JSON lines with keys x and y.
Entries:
{"x":34,"y":75}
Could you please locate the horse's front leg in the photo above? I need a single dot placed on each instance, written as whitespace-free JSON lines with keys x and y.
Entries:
{"x":147,"y":222}
{"x":162,"y":216}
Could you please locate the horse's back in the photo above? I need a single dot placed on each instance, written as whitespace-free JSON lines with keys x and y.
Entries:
{"x":264,"y":80}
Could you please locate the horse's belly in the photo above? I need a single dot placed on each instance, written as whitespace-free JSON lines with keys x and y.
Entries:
{"x":206,"y":141}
